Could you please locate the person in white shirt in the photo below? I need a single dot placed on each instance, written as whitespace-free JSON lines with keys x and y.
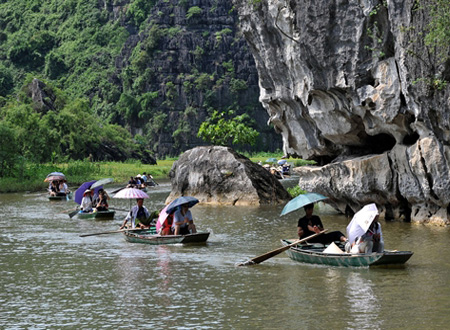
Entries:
{"x":63,"y":188}
{"x":86,"y":202}
{"x":139,"y":211}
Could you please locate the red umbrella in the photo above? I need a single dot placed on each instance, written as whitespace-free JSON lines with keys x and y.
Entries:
{"x":131,"y":193}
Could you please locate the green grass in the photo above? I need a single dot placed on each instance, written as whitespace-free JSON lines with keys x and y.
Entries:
{"x":30,"y":177}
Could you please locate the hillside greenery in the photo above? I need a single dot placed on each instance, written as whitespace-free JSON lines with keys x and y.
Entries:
{"x":111,"y":91}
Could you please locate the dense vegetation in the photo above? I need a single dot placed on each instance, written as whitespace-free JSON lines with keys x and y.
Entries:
{"x":121,"y":86}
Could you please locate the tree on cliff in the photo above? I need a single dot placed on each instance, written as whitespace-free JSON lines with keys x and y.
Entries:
{"x":219,"y":130}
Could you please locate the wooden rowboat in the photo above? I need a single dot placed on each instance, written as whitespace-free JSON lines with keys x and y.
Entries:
{"x":60,"y":197}
{"x":97,"y":215}
{"x":105,"y":215}
{"x":149,"y":237}
{"x":313,"y":254}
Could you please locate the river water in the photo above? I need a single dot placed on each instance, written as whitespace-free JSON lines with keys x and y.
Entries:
{"x":52,"y":278}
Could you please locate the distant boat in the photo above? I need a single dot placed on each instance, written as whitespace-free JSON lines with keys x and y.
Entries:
{"x":97,"y":215}
{"x":313,"y":254}
{"x":149,"y":237}
{"x":64,"y":197}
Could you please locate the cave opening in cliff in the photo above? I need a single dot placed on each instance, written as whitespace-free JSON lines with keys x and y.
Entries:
{"x":410,"y":139}
{"x":380,"y":143}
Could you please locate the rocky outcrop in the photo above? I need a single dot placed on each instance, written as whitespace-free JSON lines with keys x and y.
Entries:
{"x":353,"y":86}
{"x":43,"y":97}
{"x":219,"y":175}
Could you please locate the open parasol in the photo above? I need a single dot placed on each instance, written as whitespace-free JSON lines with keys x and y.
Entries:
{"x":191,"y":201}
{"x":102,"y":182}
{"x":55,"y":176}
{"x":361,"y":221}
{"x":130,"y":193}
{"x":302,"y":200}
{"x":78,"y":196}
{"x":161,"y":218}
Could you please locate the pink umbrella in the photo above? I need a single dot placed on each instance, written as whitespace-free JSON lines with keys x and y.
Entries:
{"x":131,"y":193}
{"x":162,"y":217}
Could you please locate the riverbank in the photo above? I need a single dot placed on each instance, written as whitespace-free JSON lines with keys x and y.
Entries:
{"x":30,"y":176}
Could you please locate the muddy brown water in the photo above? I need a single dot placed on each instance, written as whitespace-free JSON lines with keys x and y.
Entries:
{"x":52,"y":278}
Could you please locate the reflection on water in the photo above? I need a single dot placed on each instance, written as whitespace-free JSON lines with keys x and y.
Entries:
{"x":52,"y":278}
{"x":364,"y":305}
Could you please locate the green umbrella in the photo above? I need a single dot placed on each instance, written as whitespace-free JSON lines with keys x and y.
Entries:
{"x":102,"y":182}
{"x":300,"y":201}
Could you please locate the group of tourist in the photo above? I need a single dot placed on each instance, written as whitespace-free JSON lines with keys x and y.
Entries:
{"x":91,"y":201}
{"x":58,"y":188}
{"x":370,"y":241}
{"x":179,"y":222}
{"x":140,"y":181}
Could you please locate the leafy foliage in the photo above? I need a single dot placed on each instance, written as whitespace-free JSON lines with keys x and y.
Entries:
{"x":222,"y":131}
{"x":121,"y":63}
{"x":194,"y":11}
{"x":438,"y":34}
{"x":71,"y":130}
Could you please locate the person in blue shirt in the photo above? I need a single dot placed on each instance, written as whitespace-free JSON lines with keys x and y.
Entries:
{"x":183,"y":223}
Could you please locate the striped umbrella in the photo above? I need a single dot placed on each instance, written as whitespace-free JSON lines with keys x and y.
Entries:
{"x":131,"y":193}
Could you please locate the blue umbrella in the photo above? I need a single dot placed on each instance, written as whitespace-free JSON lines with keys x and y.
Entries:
{"x":302,"y":200}
{"x":282,"y":161}
{"x":191,"y":201}
{"x":271,"y":160}
{"x":80,"y":191}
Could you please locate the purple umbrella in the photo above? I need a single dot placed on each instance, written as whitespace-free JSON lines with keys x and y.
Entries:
{"x":80,"y":191}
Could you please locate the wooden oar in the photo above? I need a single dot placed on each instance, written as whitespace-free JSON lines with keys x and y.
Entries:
{"x":111,"y":232}
{"x":273,"y":253}
{"x":72,"y":214}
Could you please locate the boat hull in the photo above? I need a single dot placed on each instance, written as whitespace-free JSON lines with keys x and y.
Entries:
{"x":97,"y":215}
{"x":153,"y":239}
{"x":311,"y":255}
{"x":60,"y":198}
{"x":85,"y":215}
{"x":105,"y":215}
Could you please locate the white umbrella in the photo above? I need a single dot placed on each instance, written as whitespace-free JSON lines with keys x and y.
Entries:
{"x":361,"y":221}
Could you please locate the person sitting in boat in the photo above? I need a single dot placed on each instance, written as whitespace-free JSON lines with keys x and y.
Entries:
{"x":63,"y":188}
{"x":138,"y":212}
{"x":311,"y":224}
{"x":166,"y":228}
{"x":53,"y":188}
{"x":86,"y":202}
{"x":183,"y":223}
{"x":144,"y":178}
{"x":102,"y":202}
{"x":131,"y":182}
{"x":139,"y":182}
{"x":370,"y":241}
{"x":150,"y":221}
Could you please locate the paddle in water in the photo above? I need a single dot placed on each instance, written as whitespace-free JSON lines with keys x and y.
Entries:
{"x":268,"y":255}
{"x":72,"y":214}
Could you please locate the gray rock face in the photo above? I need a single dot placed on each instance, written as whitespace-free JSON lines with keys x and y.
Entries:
{"x":338,"y":81}
{"x":219,"y":175}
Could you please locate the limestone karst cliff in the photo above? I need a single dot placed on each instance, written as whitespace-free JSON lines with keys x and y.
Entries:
{"x":353,"y":85}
